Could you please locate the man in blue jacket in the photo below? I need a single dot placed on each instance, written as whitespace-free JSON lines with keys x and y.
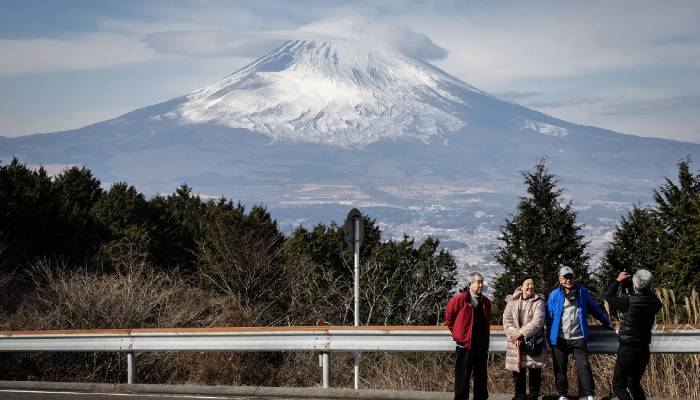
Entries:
{"x":567,"y":329}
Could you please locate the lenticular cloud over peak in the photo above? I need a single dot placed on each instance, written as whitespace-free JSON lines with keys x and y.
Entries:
{"x":218,"y":43}
{"x":371,"y":32}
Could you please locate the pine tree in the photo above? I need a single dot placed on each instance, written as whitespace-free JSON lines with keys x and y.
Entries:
{"x":639,"y":242}
{"x":176,"y":222}
{"x":123,"y":212}
{"x":664,"y":238}
{"x":540,"y":238}
{"x":76,"y":190}
{"x":28,"y":215}
{"x":678,"y":208}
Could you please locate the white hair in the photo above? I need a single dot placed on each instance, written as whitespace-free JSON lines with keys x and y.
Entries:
{"x":642,"y":280}
{"x":474,"y":276}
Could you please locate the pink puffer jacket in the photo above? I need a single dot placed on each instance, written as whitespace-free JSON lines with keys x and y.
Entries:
{"x":524,"y":317}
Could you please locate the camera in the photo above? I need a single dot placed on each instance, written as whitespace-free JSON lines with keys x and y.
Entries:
{"x":626,"y":283}
{"x":529,"y":345}
{"x":533,"y":346}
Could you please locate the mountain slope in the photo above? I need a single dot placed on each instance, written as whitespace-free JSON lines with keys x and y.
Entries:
{"x":345,"y":94}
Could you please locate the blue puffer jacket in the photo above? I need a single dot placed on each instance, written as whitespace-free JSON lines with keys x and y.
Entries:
{"x":555,"y":309}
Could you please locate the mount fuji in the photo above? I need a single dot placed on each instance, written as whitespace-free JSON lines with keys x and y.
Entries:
{"x":318,"y":126}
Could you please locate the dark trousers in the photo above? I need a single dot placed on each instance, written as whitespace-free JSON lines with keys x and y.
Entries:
{"x":560,"y":356}
{"x":632,"y":361}
{"x":534,"y":384}
{"x":468,"y":363}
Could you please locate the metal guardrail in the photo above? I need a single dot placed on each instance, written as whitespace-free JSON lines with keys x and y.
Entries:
{"x":666,"y":339}
{"x":324,"y":339}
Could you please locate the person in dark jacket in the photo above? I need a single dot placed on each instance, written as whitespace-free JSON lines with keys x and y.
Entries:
{"x":638,"y":312}
{"x":468,"y":317}
{"x":567,"y":329}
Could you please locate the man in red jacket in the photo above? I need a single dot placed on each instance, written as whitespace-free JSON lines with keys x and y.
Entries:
{"x":468,"y":316}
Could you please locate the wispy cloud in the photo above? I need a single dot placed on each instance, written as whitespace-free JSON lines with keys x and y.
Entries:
{"x":562,"y":103}
{"x":653,"y":106}
{"x":498,"y":45}
{"x":221,"y":43}
{"x":515,"y":95}
{"x":91,"y":51}
{"x":214,"y":43}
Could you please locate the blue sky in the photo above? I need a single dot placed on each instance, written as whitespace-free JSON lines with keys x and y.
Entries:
{"x":633,"y":67}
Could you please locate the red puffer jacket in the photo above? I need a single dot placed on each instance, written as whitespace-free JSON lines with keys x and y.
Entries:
{"x":459,"y":317}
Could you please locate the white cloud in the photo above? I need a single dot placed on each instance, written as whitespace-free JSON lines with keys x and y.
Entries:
{"x":222,"y":43}
{"x":214,"y":43}
{"x":517,"y":42}
{"x":100,"y":50}
{"x":398,"y":36}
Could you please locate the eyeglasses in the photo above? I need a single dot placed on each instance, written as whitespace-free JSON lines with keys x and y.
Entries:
{"x":568,"y":277}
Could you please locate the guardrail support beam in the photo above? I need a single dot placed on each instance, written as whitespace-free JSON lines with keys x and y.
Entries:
{"x":326,"y":363}
{"x":131,"y":367}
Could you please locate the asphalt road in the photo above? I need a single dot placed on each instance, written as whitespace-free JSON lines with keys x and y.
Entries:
{"x":6,"y":394}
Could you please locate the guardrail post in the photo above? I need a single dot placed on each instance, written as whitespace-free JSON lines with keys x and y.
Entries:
{"x":131,"y":367}
{"x":326,"y":363}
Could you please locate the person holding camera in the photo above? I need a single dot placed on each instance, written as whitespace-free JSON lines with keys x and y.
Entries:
{"x":567,"y":328}
{"x":523,"y":322}
{"x":638,"y":312}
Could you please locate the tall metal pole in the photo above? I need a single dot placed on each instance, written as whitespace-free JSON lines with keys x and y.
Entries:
{"x":357,"y":297}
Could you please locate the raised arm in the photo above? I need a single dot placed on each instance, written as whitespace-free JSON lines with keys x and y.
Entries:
{"x":621,"y":303}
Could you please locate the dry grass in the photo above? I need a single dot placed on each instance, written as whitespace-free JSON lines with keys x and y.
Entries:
{"x":133,"y":296}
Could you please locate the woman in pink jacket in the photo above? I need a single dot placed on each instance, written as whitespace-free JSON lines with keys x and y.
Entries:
{"x":523,"y":322}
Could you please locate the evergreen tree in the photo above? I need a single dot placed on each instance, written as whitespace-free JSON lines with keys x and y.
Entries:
{"x":123,"y":212}
{"x":76,"y":190}
{"x":639,"y":242}
{"x":664,"y":238}
{"x":29,"y":221}
{"x":678,"y":208}
{"x":325,"y":245}
{"x":540,"y":238}
{"x":176,"y":222}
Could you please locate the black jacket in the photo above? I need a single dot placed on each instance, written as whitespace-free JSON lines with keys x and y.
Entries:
{"x":638,"y":313}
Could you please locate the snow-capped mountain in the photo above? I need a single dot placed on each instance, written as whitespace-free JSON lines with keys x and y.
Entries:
{"x":338,"y":93}
{"x":349,"y":93}
{"x":317,"y":126}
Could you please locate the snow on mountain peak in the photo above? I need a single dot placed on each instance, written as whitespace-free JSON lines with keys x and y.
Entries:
{"x":342,"y":92}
